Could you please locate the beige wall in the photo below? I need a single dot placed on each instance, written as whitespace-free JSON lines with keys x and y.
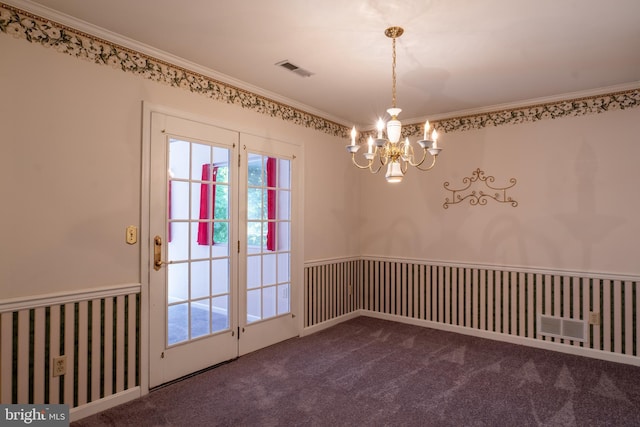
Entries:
{"x":70,"y":170}
{"x":577,"y":193}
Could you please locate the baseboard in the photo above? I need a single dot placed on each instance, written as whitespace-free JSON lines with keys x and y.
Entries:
{"x":329,"y":323}
{"x":108,"y":402}
{"x":529,"y":342}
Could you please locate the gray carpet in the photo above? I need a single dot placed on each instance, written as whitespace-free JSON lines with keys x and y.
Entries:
{"x":370,"y":372}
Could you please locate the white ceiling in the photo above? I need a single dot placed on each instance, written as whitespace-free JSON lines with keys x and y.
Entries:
{"x":455,"y":55}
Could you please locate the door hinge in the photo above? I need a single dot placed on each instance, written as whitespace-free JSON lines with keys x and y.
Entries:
{"x":238,"y":246}
{"x":238,"y":332}
{"x":238,"y":160}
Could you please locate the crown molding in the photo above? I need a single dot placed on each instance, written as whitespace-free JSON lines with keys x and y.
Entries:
{"x":40,"y":24}
{"x":40,"y":11}
{"x":590,"y":93}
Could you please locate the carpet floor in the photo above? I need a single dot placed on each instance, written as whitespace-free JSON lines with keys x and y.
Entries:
{"x":372,"y":372}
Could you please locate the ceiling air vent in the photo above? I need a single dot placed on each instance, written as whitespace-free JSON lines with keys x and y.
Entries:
{"x":294,"y":68}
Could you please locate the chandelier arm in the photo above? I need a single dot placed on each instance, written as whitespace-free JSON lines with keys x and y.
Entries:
{"x":404,"y":166}
{"x":355,"y":162}
{"x":424,"y":156}
{"x":409,"y":154}
{"x":375,"y":171}
{"x":383,"y":155}
{"x":433,"y":163}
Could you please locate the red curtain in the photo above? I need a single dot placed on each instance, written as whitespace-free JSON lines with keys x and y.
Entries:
{"x":169,"y":212}
{"x":207,"y":205}
{"x":271,"y":204}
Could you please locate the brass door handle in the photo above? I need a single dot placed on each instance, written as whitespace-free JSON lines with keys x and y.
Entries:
{"x":157,"y":253}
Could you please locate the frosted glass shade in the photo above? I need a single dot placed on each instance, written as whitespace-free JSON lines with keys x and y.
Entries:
{"x":394,"y":172}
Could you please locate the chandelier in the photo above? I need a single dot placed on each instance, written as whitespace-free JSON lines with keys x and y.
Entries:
{"x":397,"y":156}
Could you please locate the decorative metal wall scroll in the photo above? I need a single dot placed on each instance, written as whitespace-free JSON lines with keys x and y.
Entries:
{"x":479,"y":197}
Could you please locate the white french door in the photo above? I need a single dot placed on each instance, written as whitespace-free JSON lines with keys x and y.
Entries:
{"x":268,"y":250}
{"x":221,"y":223}
{"x":193,"y":269}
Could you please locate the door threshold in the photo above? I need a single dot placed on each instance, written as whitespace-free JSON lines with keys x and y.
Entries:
{"x":193,"y":374}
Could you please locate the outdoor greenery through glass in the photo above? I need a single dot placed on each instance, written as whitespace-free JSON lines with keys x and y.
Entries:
{"x":256,"y":208}
{"x":221,"y":229}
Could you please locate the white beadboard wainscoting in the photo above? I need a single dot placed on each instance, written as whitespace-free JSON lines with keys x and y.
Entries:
{"x":97,"y":331}
{"x":102,"y":332}
{"x":500,"y":303}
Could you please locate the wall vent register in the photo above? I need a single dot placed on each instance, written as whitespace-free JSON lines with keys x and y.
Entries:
{"x":561,"y":327}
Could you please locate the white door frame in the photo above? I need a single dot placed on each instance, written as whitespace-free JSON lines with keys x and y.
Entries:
{"x":145,"y":237}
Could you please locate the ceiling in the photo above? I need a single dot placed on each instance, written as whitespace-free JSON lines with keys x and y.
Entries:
{"x":454,"y":56}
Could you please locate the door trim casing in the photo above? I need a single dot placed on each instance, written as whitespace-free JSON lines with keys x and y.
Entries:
{"x":145,"y":237}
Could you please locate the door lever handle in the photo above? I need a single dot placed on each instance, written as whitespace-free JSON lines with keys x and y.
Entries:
{"x":157,"y":253}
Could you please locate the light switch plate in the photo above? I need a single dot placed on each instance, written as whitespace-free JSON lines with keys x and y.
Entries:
{"x":132,"y":234}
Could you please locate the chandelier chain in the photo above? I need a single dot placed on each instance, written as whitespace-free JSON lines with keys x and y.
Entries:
{"x":393,"y":75}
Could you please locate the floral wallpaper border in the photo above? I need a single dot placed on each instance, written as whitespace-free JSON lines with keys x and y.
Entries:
{"x":67,"y":40}
{"x":35,"y":29}
{"x":566,"y":108}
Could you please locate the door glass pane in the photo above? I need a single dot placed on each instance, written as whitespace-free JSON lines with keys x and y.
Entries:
{"x":283,"y":299}
{"x":254,"y":204}
{"x":179,"y":159}
{"x":254,"y":270}
{"x":283,"y":235}
{"x":178,"y":282}
{"x":201,"y":155}
{"x":268,"y":302}
{"x":268,"y":269}
{"x":177,"y":323}
{"x":221,"y":209}
{"x":179,"y":200}
{"x":220,"y":276}
{"x":221,"y":161}
{"x":198,"y":287}
{"x":283,"y":205}
{"x":283,"y":267}
{"x":255,"y":172}
{"x":201,"y":201}
{"x":221,"y":233}
{"x":268,"y":236}
{"x":284,"y":173}
{"x":200,"y":249}
{"x":200,"y":318}
{"x":200,"y":279}
{"x":254,"y":305}
{"x":178,"y":245}
{"x":220,"y":313}
{"x":220,"y":249}
{"x":254,"y":237}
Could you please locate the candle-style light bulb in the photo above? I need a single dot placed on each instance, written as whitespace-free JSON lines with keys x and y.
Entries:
{"x":353,"y":136}
{"x":380,"y":126}
{"x":406,"y":146}
{"x":370,"y":144}
{"x":426,"y":129}
{"x":434,"y":137}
